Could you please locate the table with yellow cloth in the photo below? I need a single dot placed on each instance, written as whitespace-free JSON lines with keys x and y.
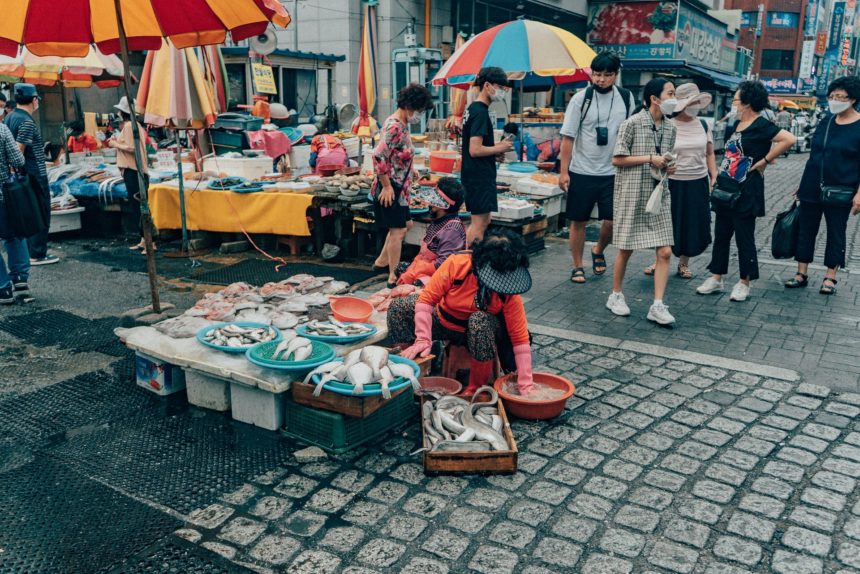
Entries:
{"x":268,"y":212}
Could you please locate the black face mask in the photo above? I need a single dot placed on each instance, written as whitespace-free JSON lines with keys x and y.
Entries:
{"x":602,"y":90}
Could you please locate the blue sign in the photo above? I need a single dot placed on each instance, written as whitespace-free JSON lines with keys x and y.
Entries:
{"x":810,"y":27}
{"x":642,"y":51}
{"x":702,"y":40}
{"x":747,"y":19}
{"x":780,"y":85}
{"x":836,"y":21}
{"x":783,"y":19}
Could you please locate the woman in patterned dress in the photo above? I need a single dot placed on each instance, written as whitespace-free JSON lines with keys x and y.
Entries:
{"x":392,"y":163}
{"x":640,"y":150}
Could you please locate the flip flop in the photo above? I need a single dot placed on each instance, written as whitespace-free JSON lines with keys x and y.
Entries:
{"x":598,"y":260}
{"x":576,"y":274}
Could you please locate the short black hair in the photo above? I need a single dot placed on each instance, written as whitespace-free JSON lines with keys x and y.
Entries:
{"x":753,"y":94}
{"x":3,"y":97}
{"x":502,"y":249}
{"x":126,"y":117}
{"x":653,"y":88}
{"x":492,"y":75}
{"x":851,"y":85}
{"x":455,"y":191}
{"x":25,"y":100}
{"x":414,"y":97}
{"x":512,"y":128}
{"x":76,"y":127}
{"x":606,"y":61}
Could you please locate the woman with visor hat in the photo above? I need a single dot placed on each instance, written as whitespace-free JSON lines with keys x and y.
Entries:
{"x":473,"y":300}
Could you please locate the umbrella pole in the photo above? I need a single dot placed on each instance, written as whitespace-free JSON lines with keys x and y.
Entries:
{"x":65,"y":140}
{"x":146,"y":216}
{"x":185,"y":248}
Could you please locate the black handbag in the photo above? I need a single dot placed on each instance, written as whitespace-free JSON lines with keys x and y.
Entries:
{"x":725,"y":194}
{"x":783,"y":238}
{"x":834,"y":195}
{"x":24,"y":215}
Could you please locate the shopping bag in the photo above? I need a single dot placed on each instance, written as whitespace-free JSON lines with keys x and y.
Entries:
{"x":655,"y":200}
{"x":24,"y":215}
{"x":783,"y":240}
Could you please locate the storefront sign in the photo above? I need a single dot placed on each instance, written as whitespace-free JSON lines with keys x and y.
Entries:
{"x":783,"y":19}
{"x":780,"y":85}
{"x":635,"y":30}
{"x":264,"y":79}
{"x":166,"y":160}
{"x":846,"y":50}
{"x":807,"y":85}
{"x":703,"y":40}
{"x":836,"y":22}
{"x":821,"y":44}
{"x":810,"y":26}
{"x":758,"y":20}
{"x":747,"y":19}
{"x":806,"y":59}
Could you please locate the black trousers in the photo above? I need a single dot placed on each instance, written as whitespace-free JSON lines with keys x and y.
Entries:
{"x":38,"y":244}
{"x":836,"y":217}
{"x":132,"y":187}
{"x":743,"y":228}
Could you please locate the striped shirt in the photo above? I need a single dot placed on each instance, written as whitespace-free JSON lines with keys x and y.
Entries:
{"x":10,"y":154}
{"x":25,"y":131}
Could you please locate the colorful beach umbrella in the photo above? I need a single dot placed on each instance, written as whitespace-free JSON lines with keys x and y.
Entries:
{"x":533,"y":52}
{"x":367,"y":73}
{"x":69,"y":27}
{"x":215,"y":74}
{"x":457,"y":106}
{"x":95,"y":68}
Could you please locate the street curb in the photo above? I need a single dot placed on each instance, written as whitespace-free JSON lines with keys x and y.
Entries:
{"x":666,"y":353}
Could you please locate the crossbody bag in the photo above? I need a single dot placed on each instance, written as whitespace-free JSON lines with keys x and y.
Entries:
{"x":833,"y":195}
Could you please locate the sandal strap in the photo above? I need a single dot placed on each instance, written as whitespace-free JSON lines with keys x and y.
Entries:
{"x":577,"y":271}
{"x":829,"y":279}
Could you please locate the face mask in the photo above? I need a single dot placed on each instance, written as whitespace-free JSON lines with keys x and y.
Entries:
{"x":498,"y":95}
{"x":600,"y":90}
{"x":734,"y":110}
{"x":415,"y":118}
{"x":838,"y":107}
{"x":692,"y":111}
{"x":668,"y":106}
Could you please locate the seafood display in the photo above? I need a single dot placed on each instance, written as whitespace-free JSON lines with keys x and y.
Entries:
{"x":382,"y":298}
{"x":237,"y":337}
{"x":350,"y":182}
{"x":293,"y":349}
{"x":334,"y":328}
{"x":453,"y":424}
{"x":363,"y":367}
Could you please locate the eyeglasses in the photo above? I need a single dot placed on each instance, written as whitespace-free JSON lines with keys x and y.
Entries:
{"x":837,"y":98}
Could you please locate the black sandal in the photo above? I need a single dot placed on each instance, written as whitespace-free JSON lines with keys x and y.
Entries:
{"x":577,"y":273}
{"x":598,"y":260}
{"x":376,"y":269}
{"x":793,"y":283}
{"x":828,"y":289}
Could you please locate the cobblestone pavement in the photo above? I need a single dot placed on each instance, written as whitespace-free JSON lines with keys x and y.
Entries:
{"x":800,"y":329}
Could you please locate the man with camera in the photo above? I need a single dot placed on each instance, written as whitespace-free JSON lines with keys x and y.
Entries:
{"x":590,"y":129}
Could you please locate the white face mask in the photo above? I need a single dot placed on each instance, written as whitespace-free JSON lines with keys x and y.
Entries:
{"x":734,"y":110}
{"x":498,"y":95}
{"x":692,"y":111}
{"x":415,"y":118}
{"x":838,"y":107}
{"x":668,"y":106}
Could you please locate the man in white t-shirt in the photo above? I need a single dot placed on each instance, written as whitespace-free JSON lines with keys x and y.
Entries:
{"x":590,"y":129}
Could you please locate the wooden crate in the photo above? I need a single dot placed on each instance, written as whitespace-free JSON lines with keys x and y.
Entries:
{"x":492,"y":462}
{"x":358,"y":407}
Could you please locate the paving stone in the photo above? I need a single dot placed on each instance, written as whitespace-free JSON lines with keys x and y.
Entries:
{"x":750,"y":526}
{"x":773,"y":487}
{"x":584,"y":458}
{"x":271,"y":507}
{"x":468,"y":520}
{"x":548,"y":492}
{"x":811,"y":390}
{"x":701,"y":510}
{"x":558,"y":552}
{"x":425,"y":505}
{"x":833,"y":420}
{"x":853,"y":438}
{"x":296,"y":486}
{"x":588,"y":393}
{"x":449,"y":485}
{"x":276,"y":549}
{"x":637,"y":518}
{"x":315,"y":562}
{"x":532,"y":513}
{"x":842,"y":466}
{"x":804,"y":402}
{"x":712,"y":372}
{"x":731,"y":388}
{"x":651,"y":498}
{"x":421,"y":565}
{"x":303,"y":523}
{"x":739,"y":459}
{"x":512,"y":534}
{"x":224,"y":550}
{"x":590,"y":506}
{"x":738,"y":550}
{"x":565,"y":434}
{"x":806,"y":541}
{"x":566,"y":474}
{"x":849,"y":554}
{"x":779,"y":386}
{"x":791,"y":563}
{"x":782,"y":423}
{"x":638,"y":455}
{"x":680,"y":464}
{"x":843,"y":410}
{"x":702,"y":406}
{"x":754,"y":446}
{"x":329,"y":500}
{"x":764,"y":505}
{"x":242,"y":495}
{"x":652,"y":409}
{"x":852,"y":528}
{"x":605,"y":487}
{"x":342,"y":539}
{"x":446,"y":544}
{"x":487,"y":498}
{"x":687,"y":532}
{"x":189,"y":534}
{"x":601,"y":444}
{"x":689,"y":418}
{"x":601,"y":410}
{"x":809,"y":443}
{"x":622,"y":470}
{"x":768,"y":395}
{"x":617,"y":431}
{"x":697,"y":450}
{"x":834,"y":481}
{"x":812,"y":517}
{"x":409,"y":472}
{"x":620,"y":401}
{"x":622,"y":542}
{"x":404,"y":527}
{"x":711,"y":437}
{"x":725,"y":473}
{"x":493,"y":560}
{"x":786,"y":470}
{"x":849,"y":452}
{"x":365,"y":513}
{"x":822,"y":432}
{"x":654,"y":441}
{"x":667,"y":374}
{"x":673,"y":557}
{"x":665,"y":480}
{"x":604,"y":564}
{"x":210,"y":517}
{"x":672,"y":429}
{"x":352,"y":480}
{"x":824,"y":498}
{"x":637,"y":391}
{"x":546,"y":446}
{"x":797,"y":455}
{"x":511,"y":482}
{"x":271,"y":477}
{"x":381,"y":553}
{"x":388,"y":491}
{"x":574,"y":527}
{"x":320,"y":469}
{"x":713,"y":491}
{"x":767,"y":433}
{"x":670,"y":400}
{"x":719,"y":397}
{"x":241,"y":531}
{"x":792,"y":411}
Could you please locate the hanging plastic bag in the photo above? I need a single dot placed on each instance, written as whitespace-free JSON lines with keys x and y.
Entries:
{"x":655,"y":201}
{"x":783,"y":240}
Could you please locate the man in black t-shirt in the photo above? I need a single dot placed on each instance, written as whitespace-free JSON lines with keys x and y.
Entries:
{"x":478,"y":171}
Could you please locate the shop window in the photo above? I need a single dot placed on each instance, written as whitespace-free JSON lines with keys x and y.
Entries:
{"x":777,"y":59}
{"x":299,"y":91}
{"x":749,"y":19}
{"x":238,"y":85}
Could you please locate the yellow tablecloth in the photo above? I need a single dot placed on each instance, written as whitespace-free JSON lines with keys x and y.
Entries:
{"x":208,"y":210}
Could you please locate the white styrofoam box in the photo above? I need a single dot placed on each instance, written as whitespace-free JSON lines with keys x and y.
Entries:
{"x":416,"y":233}
{"x":157,"y":375}
{"x":514,"y":210}
{"x":552,"y":205}
{"x":509,"y":177}
{"x":352,"y":146}
{"x":207,"y":391}
{"x":300,"y":156}
{"x":247,"y":167}
{"x":528,"y":186}
{"x":257,"y":407}
{"x":66,"y":220}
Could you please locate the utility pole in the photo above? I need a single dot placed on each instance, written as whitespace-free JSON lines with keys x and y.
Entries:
{"x":758,"y":33}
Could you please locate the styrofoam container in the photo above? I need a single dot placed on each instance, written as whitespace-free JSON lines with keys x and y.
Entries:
{"x":66,"y":220}
{"x":157,"y":375}
{"x":513,"y":210}
{"x":528,"y":186}
{"x":257,"y":407}
{"x":352,"y":146}
{"x":247,"y":167}
{"x":207,"y":391}
{"x":300,"y":156}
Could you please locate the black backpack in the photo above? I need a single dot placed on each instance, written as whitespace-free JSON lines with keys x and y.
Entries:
{"x":626,"y":95}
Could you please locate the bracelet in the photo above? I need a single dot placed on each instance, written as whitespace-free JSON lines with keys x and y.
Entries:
{"x":650,"y":158}
{"x":767,"y":161}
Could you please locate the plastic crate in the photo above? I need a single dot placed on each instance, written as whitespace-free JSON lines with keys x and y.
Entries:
{"x":225,"y":141}
{"x":338,"y":433}
{"x":242,"y":122}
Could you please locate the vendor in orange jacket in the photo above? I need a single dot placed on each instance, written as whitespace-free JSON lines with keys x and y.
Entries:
{"x":474,"y":300}
{"x":445,"y":236}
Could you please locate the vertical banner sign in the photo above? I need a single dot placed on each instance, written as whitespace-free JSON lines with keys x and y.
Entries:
{"x":811,"y":24}
{"x":758,"y":20}
{"x":836,"y":21}
{"x":821,"y":44}
{"x":264,"y":79}
{"x":806,"y":58}
{"x":846,"y":50}
{"x":703,"y":40}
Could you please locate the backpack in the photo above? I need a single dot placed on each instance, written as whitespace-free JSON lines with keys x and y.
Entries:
{"x":589,"y":96}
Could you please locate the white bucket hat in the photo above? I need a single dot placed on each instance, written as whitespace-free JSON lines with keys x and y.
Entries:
{"x":689,"y":94}
{"x":123,"y":105}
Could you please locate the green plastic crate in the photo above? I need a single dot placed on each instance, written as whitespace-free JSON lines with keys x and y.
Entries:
{"x":338,"y":433}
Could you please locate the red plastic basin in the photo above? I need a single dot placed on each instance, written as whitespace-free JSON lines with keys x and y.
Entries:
{"x":536,"y":410}
{"x":351,"y":309}
{"x":442,"y":385}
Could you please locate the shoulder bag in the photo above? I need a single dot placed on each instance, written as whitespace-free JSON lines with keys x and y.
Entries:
{"x":834,"y":195}
{"x":725,"y":194}
{"x":24,"y":216}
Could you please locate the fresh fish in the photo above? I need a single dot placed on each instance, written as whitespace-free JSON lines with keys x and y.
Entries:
{"x":297,"y":344}
{"x":284,"y":320}
{"x":454,"y":446}
{"x":323,"y":369}
{"x":466,"y":436}
{"x":405,"y":371}
{"x":302,"y":353}
{"x":279,"y":350}
{"x":352,"y":358}
{"x":482,"y":431}
{"x":385,"y":379}
{"x":376,"y":358}
{"x":359,"y":375}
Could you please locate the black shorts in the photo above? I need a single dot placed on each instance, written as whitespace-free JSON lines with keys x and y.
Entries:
{"x":393,"y":217}
{"x":586,"y":190}
{"x":481,"y":198}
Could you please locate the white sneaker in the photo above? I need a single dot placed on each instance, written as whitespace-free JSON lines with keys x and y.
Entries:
{"x":617,"y":305}
{"x":740,"y":292}
{"x":710,"y":285}
{"x":659,"y":313}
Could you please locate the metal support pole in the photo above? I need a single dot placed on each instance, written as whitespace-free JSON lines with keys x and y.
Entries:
{"x":146,"y":216}
{"x":65,"y":139}
{"x":185,"y":246}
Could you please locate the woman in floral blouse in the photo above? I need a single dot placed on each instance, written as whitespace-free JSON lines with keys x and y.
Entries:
{"x":392,"y":163}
